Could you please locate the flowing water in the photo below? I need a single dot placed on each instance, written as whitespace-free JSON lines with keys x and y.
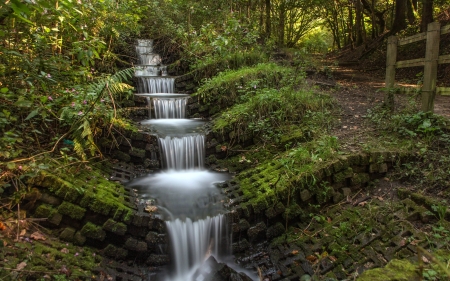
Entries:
{"x":186,"y":194}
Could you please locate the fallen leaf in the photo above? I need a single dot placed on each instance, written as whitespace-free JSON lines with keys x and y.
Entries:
{"x":402,"y":242}
{"x":362,"y":204}
{"x":64,"y":250}
{"x":328,"y":219}
{"x":23,"y":232}
{"x":223,"y":148}
{"x":2,"y":226}
{"x":21,"y":265}
{"x":425,"y":260}
{"x":38,"y":236}
{"x":294,"y":252}
{"x":333,"y":258}
{"x":311,"y":258}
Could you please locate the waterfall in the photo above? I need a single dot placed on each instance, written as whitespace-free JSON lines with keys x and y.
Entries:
{"x":185,"y":191}
{"x":194,"y":241}
{"x":155,"y":84}
{"x":182,"y":153}
{"x":166,"y":108}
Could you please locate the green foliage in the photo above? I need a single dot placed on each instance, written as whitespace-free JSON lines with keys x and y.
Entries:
{"x":228,"y":85}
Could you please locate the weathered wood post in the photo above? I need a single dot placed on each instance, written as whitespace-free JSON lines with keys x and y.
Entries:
{"x":391,"y":59}
{"x":430,"y":68}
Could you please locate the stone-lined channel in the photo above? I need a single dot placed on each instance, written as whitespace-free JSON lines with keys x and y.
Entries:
{"x":184,"y":192}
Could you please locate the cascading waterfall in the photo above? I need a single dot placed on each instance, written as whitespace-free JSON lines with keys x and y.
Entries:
{"x":185,"y":191}
{"x":183,"y":153}
{"x":166,"y":108}
{"x":194,"y":241}
{"x":150,"y":84}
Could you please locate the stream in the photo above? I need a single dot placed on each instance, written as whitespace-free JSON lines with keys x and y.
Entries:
{"x":185,"y":193}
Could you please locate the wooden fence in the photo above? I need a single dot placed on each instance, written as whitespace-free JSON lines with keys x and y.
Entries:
{"x":430,"y":62}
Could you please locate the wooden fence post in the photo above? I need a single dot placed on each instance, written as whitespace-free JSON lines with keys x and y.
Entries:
{"x":391,"y":59}
{"x":430,"y":68}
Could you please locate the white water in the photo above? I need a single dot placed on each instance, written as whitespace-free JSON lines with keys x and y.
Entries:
{"x":183,"y":153}
{"x":155,"y":84}
{"x":185,"y":192}
{"x":193,"y":242}
{"x":167,"y":108}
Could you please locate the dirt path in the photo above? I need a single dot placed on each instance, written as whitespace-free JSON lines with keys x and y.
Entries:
{"x":356,"y":92}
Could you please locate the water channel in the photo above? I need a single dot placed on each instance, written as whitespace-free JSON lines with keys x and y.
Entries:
{"x":186,"y":194}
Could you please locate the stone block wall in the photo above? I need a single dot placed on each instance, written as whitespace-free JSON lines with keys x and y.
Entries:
{"x":85,"y":217}
{"x":254,"y":221}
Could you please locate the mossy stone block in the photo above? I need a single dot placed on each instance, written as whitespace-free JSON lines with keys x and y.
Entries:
{"x":135,"y":245}
{"x":115,"y":252}
{"x":259,"y":206}
{"x":100,"y":206}
{"x":93,"y":231}
{"x":115,"y":227}
{"x":68,"y":192}
{"x":122,"y":156}
{"x":305,"y":195}
{"x":79,"y":238}
{"x":255,"y":232}
{"x":275,"y":230}
{"x":243,"y":225}
{"x":74,"y":211}
{"x":353,"y":160}
{"x":364,"y":159}
{"x":49,"y":199}
{"x":88,"y":197}
{"x":137,"y":152}
{"x":44,"y":211}
{"x":55,"y":219}
{"x":67,"y":234}
{"x":293,"y":211}
{"x":137,"y":136}
{"x":395,"y":270}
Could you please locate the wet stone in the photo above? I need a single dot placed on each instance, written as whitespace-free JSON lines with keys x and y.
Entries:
{"x":135,"y":245}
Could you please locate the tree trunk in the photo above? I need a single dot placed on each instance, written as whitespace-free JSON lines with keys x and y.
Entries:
{"x":351,"y":26}
{"x":268,"y":24}
{"x":358,"y":23}
{"x":411,"y":6}
{"x":427,"y":14}
{"x":400,"y":16}
{"x":281,"y":25}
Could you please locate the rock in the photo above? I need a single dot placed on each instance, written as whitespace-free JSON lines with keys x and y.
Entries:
{"x":67,"y":234}
{"x":256,"y":231}
{"x":305,"y":195}
{"x":135,"y":245}
{"x":158,"y":260}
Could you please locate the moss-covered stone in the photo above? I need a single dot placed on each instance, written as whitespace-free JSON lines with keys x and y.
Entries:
{"x":67,"y":234}
{"x":71,"y":210}
{"x":101,"y":205}
{"x":93,"y":231}
{"x":137,"y":152}
{"x":115,"y":252}
{"x":135,"y":245}
{"x":78,"y":238}
{"x":395,"y":270}
{"x":115,"y":227}
{"x":275,"y":230}
{"x":122,"y":156}
{"x":44,"y":211}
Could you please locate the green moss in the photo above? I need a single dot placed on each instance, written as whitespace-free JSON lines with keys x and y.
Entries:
{"x":93,"y":231}
{"x":44,"y":211}
{"x":395,"y":270}
{"x":115,"y":227}
{"x":74,"y":211}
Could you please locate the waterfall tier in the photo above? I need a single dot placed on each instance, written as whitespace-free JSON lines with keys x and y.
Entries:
{"x":182,"y":153}
{"x":193,"y":242}
{"x":155,"y":84}
{"x":167,"y":108}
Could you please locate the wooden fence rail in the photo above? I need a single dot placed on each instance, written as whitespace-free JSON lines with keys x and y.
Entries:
{"x":430,"y":62}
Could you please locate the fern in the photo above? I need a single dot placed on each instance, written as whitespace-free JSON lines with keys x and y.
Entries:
{"x":84,"y":128}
